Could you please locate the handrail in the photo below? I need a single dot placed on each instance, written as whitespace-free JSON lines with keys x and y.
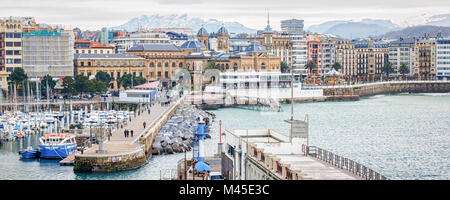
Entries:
{"x":370,"y":84}
{"x":342,"y":163}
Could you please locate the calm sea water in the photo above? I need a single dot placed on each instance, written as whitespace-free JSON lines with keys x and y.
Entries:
{"x":401,"y":136}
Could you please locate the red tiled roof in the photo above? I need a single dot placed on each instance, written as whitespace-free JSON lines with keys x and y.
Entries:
{"x":94,"y":44}
{"x":99,"y":45}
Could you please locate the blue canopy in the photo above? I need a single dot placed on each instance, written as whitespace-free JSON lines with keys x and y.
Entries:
{"x":202,"y":167}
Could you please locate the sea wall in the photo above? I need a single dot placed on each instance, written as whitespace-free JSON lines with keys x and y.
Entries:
{"x":356,"y":91}
{"x":149,"y":136}
{"x":109,"y":163}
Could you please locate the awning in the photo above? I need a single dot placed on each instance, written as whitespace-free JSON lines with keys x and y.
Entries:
{"x":150,"y":85}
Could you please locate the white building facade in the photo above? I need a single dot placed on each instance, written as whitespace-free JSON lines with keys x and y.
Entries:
{"x":299,"y":54}
{"x":443,"y":59}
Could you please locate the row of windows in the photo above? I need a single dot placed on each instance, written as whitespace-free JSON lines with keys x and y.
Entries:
{"x":443,"y":62}
{"x":180,"y":65}
{"x":10,"y":52}
{"x":13,"y":35}
{"x":13,"y":44}
{"x":444,"y":68}
{"x":443,"y":52}
{"x":443,"y":57}
{"x":13,"y":61}
{"x":112,"y":63}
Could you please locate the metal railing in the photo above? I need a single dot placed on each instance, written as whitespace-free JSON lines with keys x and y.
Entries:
{"x":313,"y":87}
{"x":342,"y":163}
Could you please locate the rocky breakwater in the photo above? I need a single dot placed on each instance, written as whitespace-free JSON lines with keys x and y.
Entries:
{"x":177,"y":135}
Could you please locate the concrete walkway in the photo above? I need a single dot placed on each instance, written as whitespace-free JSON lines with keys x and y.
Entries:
{"x":118,"y":143}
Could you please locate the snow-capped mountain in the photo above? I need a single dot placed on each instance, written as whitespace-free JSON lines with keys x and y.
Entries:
{"x":180,"y":21}
{"x":355,"y":29}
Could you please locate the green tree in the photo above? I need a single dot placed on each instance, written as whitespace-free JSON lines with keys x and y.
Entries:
{"x":213,"y":65}
{"x":125,"y":81}
{"x":284,"y":66}
{"x":403,"y":69}
{"x":47,"y":80}
{"x":103,"y":77}
{"x":95,"y":86}
{"x":311,"y":65}
{"x":17,"y":76}
{"x":69,"y":86}
{"x":336,"y":66}
{"x":81,"y":83}
{"x":387,"y":68}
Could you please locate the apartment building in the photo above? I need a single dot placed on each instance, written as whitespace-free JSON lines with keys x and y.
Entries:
{"x":401,"y":52}
{"x":443,"y":59}
{"x":345,"y":55}
{"x":425,"y":59}
{"x":10,"y":47}
{"x":370,"y":59}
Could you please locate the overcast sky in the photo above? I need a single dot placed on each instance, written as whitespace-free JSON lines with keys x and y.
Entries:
{"x":94,"y":14}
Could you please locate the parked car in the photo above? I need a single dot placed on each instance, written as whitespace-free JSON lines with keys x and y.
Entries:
{"x":215,"y":176}
{"x":107,"y":94}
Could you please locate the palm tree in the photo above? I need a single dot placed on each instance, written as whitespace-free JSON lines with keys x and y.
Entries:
{"x":336,"y":66}
{"x":284,"y":66}
{"x":403,"y":70}
{"x":311,"y":65}
{"x":387,"y":69}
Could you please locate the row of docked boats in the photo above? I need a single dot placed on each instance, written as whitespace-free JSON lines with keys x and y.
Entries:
{"x":52,"y":146}
{"x":18,"y":124}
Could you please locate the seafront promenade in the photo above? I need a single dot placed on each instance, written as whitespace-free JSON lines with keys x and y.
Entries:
{"x":124,"y":153}
{"x":118,"y":143}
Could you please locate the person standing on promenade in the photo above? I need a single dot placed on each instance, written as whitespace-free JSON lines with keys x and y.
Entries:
{"x":149,"y":110}
{"x":144,"y":124}
{"x":132,"y":132}
{"x":125,"y":132}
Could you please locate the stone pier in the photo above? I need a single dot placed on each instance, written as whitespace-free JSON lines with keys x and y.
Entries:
{"x":353,"y":92}
{"x":125,"y":153}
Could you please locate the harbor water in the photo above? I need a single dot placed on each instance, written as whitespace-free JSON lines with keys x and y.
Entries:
{"x":404,"y":136}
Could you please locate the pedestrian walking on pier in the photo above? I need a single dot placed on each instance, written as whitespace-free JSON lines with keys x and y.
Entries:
{"x":132,"y":133}
{"x":148,"y":111}
{"x":144,"y":124}
{"x":125,"y":132}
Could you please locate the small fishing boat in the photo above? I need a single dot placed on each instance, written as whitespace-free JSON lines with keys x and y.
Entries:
{"x":57,"y":145}
{"x":29,"y":153}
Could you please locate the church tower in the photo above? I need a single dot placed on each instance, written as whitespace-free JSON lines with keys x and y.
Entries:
{"x":222,"y":39}
{"x":203,"y":37}
{"x":268,"y":35}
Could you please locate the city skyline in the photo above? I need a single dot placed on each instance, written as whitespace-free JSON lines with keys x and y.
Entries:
{"x":92,"y":15}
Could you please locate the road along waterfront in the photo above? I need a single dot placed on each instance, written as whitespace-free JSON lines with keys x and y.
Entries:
{"x":402,"y":136}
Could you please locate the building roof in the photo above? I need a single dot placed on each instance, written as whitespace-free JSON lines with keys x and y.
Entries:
{"x":202,"y":31}
{"x":155,"y":47}
{"x":255,"y":46}
{"x":93,"y":44}
{"x":193,"y":44}
{"x":222,"y":31}
{"x":106,"y":56}
{"x":150,"y":85}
